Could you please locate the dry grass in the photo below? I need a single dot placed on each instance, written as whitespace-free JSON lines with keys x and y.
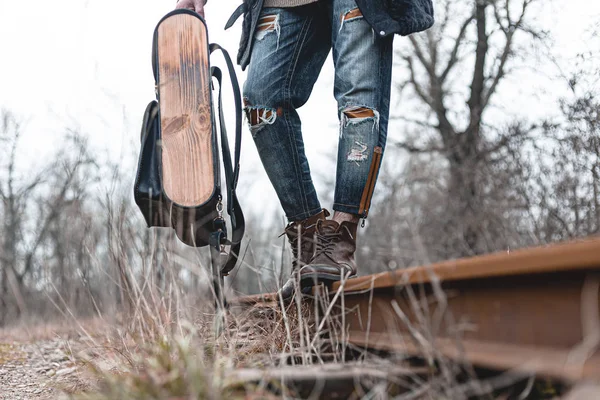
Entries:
{"x":159,"y":352}
{"x":157,"y":356}
{"x":184,"y":359}
{"x":167,"y":345}
{"x":165,"y":348}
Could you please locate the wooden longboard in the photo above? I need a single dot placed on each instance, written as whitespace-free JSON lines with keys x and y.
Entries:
{"x":185,"y":110}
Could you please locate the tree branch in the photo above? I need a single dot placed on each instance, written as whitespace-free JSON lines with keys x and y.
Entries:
{"x":509,"y":32}
{"x":428,"y":65}
{"x":477,"y":85}
{"x":435,"y":101}
{"x":417,"y":86}
{"x":454,"y":53}
{"x":419,"y":150}
{"x":414,"y":121}
{"x":38,"y":180}
{"x":515,"y":132}
{"x":53,"y":213}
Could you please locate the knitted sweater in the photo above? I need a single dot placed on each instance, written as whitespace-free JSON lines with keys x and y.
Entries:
{"x":287,"y":3}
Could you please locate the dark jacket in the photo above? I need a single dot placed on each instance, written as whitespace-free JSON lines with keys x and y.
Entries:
{"x":387,"y":17}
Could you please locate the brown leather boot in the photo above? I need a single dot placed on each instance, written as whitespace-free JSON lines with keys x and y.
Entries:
{"x":301,"y":235}
{"x":334,"y":254}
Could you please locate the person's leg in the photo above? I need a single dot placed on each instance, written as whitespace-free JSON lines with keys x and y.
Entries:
{"x":363,"y":69}
{"x":363,"y":65}
{"x":290,"y":47}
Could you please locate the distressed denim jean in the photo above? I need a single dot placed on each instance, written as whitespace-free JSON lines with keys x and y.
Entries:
{"x":290,"y":47}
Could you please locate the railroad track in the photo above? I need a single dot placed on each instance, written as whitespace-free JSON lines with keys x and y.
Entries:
{"x":532,"y":311}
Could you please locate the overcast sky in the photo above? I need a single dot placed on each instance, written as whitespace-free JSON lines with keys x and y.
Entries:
{"x":85,"y":64}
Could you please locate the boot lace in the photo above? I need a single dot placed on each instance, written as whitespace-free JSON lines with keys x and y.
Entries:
{"x":326,"y":243}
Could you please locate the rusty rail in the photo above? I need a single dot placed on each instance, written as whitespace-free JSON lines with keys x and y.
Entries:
{"x":535,"y":311}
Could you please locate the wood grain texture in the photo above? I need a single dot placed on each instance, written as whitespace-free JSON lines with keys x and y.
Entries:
{"x":184,"y":79}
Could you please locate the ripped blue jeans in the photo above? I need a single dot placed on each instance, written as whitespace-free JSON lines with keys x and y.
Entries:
{"x":290,"y":47}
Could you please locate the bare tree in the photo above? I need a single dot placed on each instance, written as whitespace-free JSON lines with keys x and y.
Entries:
{"x":568,"y":186}
{"x":26,"y":231}
{"x":455,"y":71}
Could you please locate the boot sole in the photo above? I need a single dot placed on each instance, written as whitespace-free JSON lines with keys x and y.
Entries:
{"x":309,"y":280}
{"x":313,"y":277}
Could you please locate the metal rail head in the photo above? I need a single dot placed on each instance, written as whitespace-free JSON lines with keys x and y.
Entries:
{"x":534,"y":310}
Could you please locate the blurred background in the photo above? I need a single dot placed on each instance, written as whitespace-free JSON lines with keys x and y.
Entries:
{"x":494,"y":145}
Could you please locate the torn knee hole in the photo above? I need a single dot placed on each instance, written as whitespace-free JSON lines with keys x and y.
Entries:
{"x":266,"y":24}
{"x":261,"y":116}
{"x":350,"y":15}
{"x":357,"y":115}
{"x":359,"y":112}
{"x":256,"y":116}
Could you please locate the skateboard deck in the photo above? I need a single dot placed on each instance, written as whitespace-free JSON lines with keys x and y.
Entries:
{"x":185,"y":110}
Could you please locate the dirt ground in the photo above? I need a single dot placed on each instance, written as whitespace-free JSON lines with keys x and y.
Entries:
{"x":38,"y":362}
